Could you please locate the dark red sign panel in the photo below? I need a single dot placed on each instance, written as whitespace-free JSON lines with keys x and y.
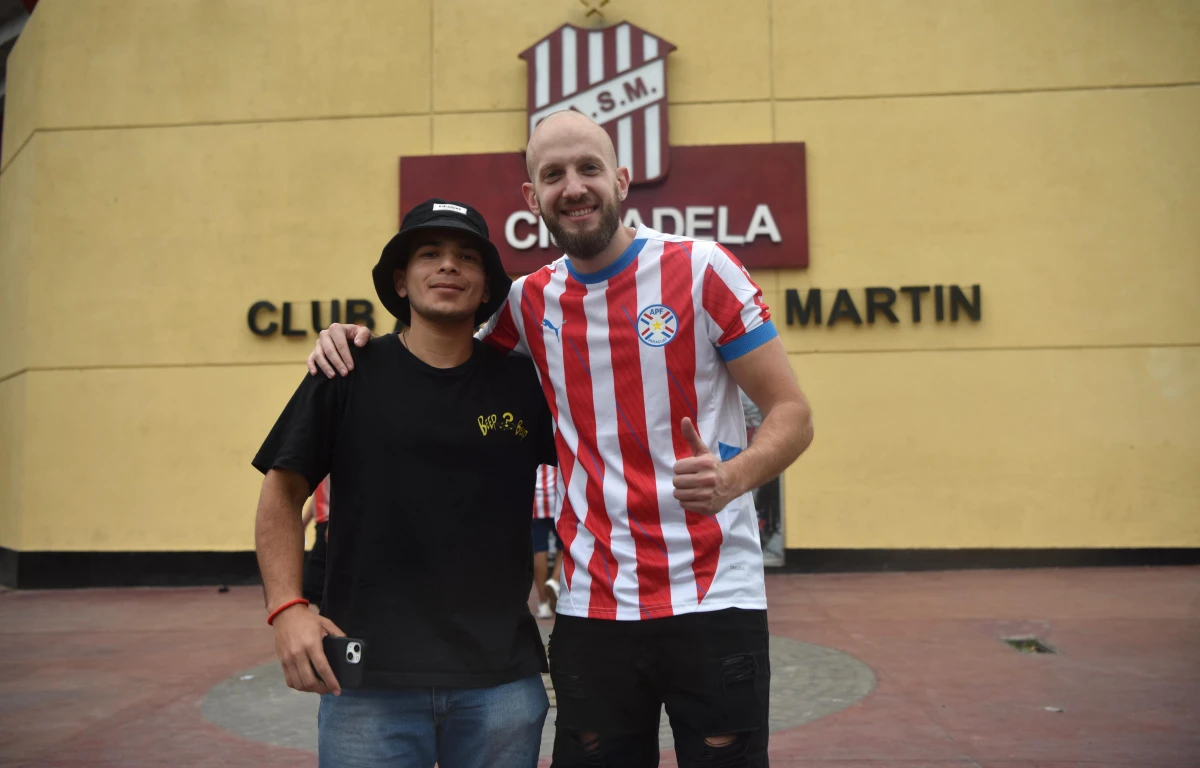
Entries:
{"x":749,"y":197}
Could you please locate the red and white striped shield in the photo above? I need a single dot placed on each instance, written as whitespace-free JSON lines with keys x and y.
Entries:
{"x":616,"y":76}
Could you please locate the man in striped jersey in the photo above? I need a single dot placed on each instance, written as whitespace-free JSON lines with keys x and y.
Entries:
{"x":641,"y":340}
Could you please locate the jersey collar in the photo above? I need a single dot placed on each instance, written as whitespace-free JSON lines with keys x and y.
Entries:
{"x":639,"y":240}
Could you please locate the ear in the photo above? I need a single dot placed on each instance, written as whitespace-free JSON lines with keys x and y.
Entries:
{"x":531,"y":197}
{"x":487,"y":292}
{"x":398,"y":280}
{"x":622,"y":182}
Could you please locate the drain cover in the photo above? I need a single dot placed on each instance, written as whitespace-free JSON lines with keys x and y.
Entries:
{"x":1028,"y":644}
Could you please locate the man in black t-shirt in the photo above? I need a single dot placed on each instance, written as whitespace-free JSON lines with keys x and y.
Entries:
{"x":432,"y":449}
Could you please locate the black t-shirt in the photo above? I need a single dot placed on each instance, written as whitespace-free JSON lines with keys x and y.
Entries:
{"x":433,"y":473}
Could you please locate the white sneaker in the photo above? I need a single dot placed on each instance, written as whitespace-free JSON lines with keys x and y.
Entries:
{"x":544,"y":612}
{"x":552,"y":585}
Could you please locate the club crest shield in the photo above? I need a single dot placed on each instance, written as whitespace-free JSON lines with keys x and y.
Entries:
{"x":618,"y":77}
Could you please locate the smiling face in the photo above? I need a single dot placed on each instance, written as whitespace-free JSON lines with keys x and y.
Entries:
{"x":445,"y":280}
{"x":575,"y":184}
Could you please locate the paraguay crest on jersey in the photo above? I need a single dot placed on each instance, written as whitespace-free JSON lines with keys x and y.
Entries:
{"x":618,"y":77}
{"x":656,"y":325}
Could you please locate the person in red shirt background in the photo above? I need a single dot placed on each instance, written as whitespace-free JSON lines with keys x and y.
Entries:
{"x":545,"y":505}
{"x":314,"y":563}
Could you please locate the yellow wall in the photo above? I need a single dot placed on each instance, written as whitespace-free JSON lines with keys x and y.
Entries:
{"x":167,"y":164}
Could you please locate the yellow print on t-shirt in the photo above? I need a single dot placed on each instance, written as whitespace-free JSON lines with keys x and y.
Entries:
{"x":506,"y":422}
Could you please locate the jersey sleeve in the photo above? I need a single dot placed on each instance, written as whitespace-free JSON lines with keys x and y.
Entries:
{"x":738,"y":321}
{"x":503,"y":329}
{"x":304,"y":435}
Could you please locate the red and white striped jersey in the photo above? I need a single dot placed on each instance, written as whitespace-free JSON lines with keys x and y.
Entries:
{"x":624,"y":354}
{"x":545,"y":493}
{"x":321,"y":502}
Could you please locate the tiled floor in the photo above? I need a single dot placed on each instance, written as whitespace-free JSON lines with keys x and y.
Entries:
{"x":116,"y":677}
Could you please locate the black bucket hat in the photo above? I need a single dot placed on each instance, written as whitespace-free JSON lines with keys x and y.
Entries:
{"x":439,"y":214}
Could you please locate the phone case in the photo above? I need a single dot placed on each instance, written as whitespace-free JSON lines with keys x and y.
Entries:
{"x":347,"y":658}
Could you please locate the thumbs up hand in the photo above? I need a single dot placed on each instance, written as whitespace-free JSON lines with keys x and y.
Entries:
{"x":701,"y":482}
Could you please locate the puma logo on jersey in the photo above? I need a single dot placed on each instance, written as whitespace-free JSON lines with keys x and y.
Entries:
{"x":547,"y":324}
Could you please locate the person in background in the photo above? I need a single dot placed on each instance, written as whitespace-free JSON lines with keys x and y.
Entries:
{"x":314,"y":564}
{"x":766,"y":496}
{"x":545,"y":504}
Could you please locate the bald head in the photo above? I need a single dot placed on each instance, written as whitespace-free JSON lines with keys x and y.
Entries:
{"x":575,"y":184}
{"x":568,"y":133}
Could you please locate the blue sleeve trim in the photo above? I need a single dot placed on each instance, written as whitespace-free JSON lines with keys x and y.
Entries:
{"x":748,"y":342}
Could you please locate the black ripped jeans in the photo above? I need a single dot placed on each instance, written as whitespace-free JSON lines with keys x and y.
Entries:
{"x":611,"y":678}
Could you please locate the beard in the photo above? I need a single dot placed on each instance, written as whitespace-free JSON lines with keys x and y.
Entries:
{"x":588,"y":243}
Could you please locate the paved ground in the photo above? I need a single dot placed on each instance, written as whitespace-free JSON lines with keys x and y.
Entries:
{"x":871,"y":671}
{"x":811,"y":681}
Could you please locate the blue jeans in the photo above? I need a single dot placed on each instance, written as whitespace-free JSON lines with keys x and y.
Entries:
{"x":498,"y":727}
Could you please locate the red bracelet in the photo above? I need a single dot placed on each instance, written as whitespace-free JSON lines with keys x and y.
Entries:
{"x":284,"y":607}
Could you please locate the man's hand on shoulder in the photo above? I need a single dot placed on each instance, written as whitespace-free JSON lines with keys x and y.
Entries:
{"x":298,"y":636}
{"x":332,"y":353}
